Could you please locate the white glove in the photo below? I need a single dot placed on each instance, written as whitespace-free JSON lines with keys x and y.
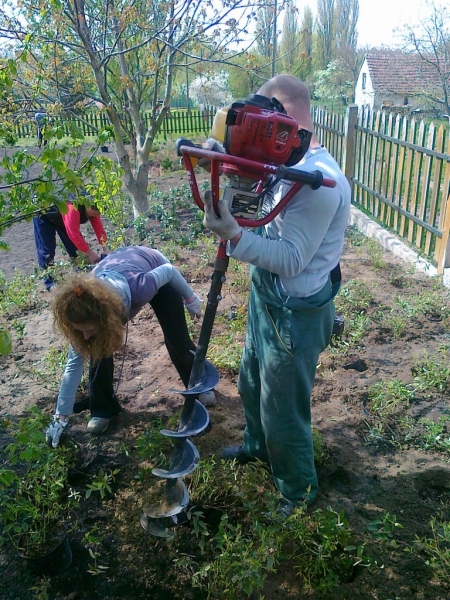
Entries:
{"x":215,"y":146}
{"x":55,"y":430}
{"x":225,"y":226}
{"x":194,"y":307}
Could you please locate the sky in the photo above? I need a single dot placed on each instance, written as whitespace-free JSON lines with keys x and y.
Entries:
{"x":378,"y":18}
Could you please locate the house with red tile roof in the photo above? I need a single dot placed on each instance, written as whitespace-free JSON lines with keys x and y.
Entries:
{"x":394,"y":78}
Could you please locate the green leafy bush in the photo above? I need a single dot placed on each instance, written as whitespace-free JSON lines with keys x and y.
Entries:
{"x":34,"y":493}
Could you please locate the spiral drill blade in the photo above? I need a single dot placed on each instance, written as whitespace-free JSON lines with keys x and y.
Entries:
{"x":185,"y":459}
{"x":173,"y":497}
{"x":159,"y":519}
{"x":197,"y":421}
{"x":208,"y":379}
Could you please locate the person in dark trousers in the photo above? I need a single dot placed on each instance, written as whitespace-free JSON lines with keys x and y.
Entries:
{"x":67,"y":226}
{"x":41,"y":120}
{"x":295,"y":275}
{"x":91,"y":310}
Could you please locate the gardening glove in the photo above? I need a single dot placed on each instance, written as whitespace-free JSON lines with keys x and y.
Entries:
{"x":225,"y":226}
{"x":55,"y":430}
{"x":194,"y":307}
{"x":215,"y":146}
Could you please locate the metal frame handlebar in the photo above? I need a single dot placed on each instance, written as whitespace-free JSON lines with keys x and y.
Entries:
{"x":315,"y":179}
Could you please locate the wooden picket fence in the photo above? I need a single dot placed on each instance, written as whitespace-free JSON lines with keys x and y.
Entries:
{"x":330,"y":128}
{"x":177,"y":122}
{"x":399,"y":168}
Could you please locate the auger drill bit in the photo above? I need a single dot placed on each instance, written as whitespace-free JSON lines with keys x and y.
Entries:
{"x":160,"y":518}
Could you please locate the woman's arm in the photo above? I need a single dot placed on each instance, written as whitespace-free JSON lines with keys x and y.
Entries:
{"x":167,"y":273}
{"x":99,"y":230}
{"x":69,"y":383}
{"x":66,"y":398}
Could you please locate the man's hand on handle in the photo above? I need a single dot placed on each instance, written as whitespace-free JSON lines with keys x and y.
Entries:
{"x":225,"y":225}
{"x":194,"y":306}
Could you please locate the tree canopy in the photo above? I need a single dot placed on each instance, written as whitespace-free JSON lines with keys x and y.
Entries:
{"x":123,"y":56}
{"x":429,"y":39}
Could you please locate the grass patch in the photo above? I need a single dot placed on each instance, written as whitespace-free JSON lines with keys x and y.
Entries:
{"x":387,"y":397}
{"x":236,"y":545}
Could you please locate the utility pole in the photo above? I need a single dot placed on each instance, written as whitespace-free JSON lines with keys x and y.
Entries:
{"x":274,"y":38}
{"x":187,"y":86}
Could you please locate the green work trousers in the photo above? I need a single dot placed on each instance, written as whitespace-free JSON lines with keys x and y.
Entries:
{"x":285,"y":336}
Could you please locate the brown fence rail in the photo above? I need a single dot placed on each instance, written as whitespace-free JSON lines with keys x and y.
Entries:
{"x":399,"y":168}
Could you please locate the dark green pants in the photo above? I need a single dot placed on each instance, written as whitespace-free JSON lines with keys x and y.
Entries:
{"x":284,"y":339}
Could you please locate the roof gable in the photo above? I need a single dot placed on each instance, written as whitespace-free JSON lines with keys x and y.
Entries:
{"x":401,"y":73}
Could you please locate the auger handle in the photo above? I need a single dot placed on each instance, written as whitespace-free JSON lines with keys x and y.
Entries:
{"x":315,"y":179}
{"x":217,"y":159}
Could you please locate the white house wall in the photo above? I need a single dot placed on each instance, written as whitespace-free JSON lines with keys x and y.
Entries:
{"x":364,"y":97}
{"x":376,"y":99}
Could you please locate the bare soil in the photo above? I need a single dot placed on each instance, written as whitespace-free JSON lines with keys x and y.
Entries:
{"x":360,"y":474}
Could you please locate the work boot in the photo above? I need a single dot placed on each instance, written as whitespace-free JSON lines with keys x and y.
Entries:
{"x":237,"y":453}
{"x":208,"y":398}
{"x":49,"y":283}
{"x":285,"y":508}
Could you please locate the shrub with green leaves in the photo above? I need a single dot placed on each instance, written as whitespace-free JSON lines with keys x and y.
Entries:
{"x":436,"y":548}
{"x":17,"y":295}
{"x":432,"y":372}
{"x":354,"y":297}
{"x":324,"y":550}
{"x":154,"y":448}
{"x":383,"y":529}
{"x":48,"y":370}
{"x":435,"y":435}
{"x":34,"y":494}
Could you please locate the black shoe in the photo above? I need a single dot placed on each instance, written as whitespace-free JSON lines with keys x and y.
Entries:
{"x":282,"y":511}
{"x":81,"y":405}
{"x":285,"y":508}
{"x":49,"y":283}
{"x":237,"y":453}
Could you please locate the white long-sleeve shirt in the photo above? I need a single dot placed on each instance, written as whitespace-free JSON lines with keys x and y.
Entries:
{"x":304,"y":241}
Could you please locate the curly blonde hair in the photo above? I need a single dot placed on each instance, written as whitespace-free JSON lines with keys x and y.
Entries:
{"x":84,"y":299}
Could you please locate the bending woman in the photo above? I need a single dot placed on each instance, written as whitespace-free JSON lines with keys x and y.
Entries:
{"x":91,"y":310}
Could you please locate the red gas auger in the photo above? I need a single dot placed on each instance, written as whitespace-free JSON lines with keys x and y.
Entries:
{"x":253,"y":131}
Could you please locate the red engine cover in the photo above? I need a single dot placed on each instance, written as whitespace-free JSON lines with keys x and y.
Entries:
{"x":262,"y":135}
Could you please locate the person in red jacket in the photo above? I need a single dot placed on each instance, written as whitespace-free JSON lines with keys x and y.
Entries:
{"x":76,"y":217}
{"x":68,"y":228}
